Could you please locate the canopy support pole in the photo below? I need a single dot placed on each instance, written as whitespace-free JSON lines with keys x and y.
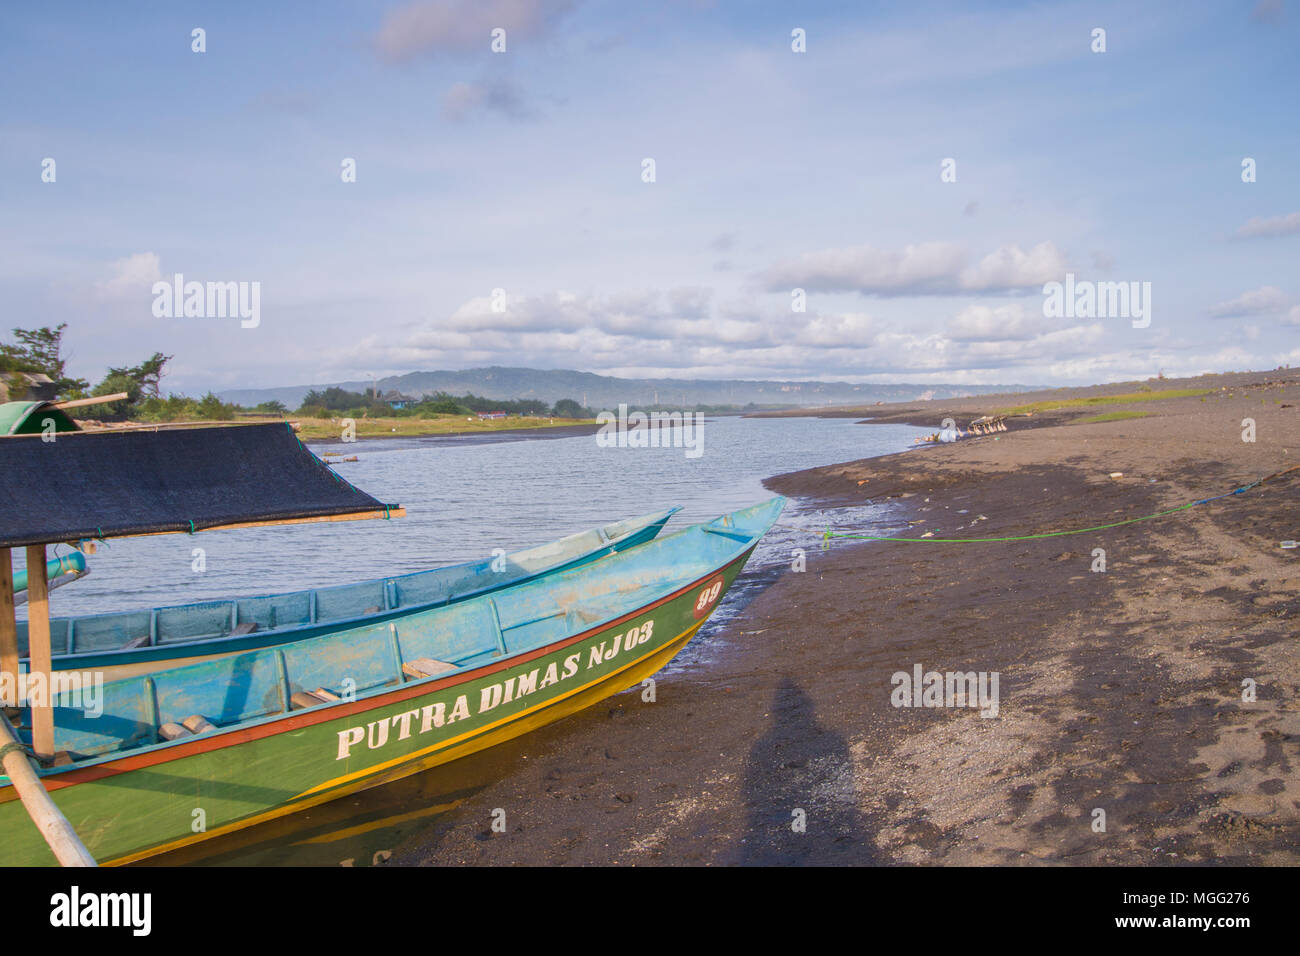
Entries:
{"x":8,"y":632}
{"x":38,"y":654}
{"x":49,"y":819}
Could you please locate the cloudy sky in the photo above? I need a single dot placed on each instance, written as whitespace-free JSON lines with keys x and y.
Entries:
{"x":773,"y":170}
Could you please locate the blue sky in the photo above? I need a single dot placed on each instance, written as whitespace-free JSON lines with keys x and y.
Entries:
{"x":522,"y":171}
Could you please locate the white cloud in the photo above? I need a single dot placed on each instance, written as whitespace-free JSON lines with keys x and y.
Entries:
{"x":686,"y":331}
{"x":685,"y":317}
{"x":1115,"y":366}
{"x":1075,"y":340}
{"x":691,"y":302}
{"x":1267,"y":11}
{"x":928,"y":268}
{"x":1011,"y":268}
{"x":1270,"y":228}
{"x":430,"y":26}
{"x":136,"y":273}
{"x":1262,"y":301}
{"x":998,"y":323}
{"x":925,"y":267}
{"x":498,"y":96}
{"x":681,"y":317}
{"x":843,"y":330}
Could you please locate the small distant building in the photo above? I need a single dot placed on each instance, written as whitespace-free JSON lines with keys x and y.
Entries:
{"x":26,"y":386}
{"x":397,"y":400}
{"x":484,"y":416}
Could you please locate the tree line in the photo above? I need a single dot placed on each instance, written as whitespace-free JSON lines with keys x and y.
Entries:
{"x":41,"y":351}
{"x":334,"y":401}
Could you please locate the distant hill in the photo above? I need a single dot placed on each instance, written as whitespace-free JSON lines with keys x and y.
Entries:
{"x":604,"y":391}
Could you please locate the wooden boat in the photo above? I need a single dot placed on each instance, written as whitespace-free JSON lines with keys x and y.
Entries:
{"x":125,"y":643}
{"x":286,"y":728}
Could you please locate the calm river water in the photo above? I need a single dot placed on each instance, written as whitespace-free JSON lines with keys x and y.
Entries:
{"x":466,"y":496}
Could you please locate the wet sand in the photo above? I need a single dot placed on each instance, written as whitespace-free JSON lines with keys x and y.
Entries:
{"x":1120,"y":691}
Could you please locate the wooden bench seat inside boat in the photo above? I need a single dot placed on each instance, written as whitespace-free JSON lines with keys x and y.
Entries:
{"x":426,"y":667}
{"x":191,"y":726}
{"x":312,"y":698}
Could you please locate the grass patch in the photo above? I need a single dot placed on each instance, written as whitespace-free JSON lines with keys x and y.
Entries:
{"x":318,"y":429}
{"x":1051,"y":404}
{"x":1111,"y":417}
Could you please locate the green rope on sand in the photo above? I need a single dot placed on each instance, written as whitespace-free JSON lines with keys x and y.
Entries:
{"x":828,"y":534}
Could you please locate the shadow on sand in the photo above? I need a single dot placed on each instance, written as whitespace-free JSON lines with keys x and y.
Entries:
{"x":798,"y":765}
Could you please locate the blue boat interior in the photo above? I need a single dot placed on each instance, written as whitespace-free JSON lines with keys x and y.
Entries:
{"x":280,"y":613}
{"x":236,"y":689}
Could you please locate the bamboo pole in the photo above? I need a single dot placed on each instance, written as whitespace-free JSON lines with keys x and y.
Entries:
{"x":113,"y":428}
{"x":8,"y":631}
{"x":166,"y":426}
{"x":387,"y":513}
{"x":398,"y":512}
{"x":38,"y":652}
{"x":97,"y":400}
{"x":49,"y":819}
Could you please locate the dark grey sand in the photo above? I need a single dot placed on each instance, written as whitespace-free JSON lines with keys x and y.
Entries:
{"x":1120,"y":691}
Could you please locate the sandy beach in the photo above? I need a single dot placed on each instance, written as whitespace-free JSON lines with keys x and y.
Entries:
{"x":1123,"y":695}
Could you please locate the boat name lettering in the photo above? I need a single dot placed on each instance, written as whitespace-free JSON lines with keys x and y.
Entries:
{"x":633,"y":638}
{"x":423,"y":720}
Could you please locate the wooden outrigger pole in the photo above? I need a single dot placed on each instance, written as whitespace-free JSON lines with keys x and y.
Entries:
{"x":49,"y":819}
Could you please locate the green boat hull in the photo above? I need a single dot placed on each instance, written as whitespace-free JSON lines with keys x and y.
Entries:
{"x":170,"y":795}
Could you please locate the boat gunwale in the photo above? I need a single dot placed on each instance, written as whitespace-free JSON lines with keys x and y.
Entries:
{"x":256,"y":640}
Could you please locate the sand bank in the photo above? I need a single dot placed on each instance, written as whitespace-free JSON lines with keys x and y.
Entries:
{"x":1120,"y":691}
